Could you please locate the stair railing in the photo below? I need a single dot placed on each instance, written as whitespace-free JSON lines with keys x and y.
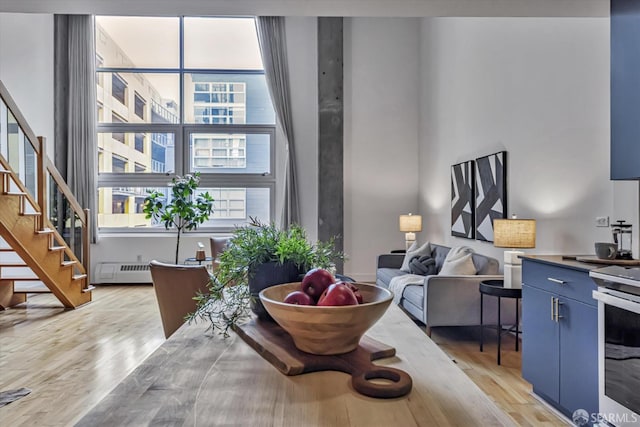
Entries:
{"x":45,"y":171}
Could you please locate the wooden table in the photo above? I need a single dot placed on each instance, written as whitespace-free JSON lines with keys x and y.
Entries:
{"x":202,"y":380}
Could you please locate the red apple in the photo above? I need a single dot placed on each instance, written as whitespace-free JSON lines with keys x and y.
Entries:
{"x":338,"y":294}
{"x":316,"y":281}
{"x":299,"y":298}
{"x":355,"y":291}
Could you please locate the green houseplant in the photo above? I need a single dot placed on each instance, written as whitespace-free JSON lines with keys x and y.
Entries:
{"x":259,"y":255}
{"x":183,"y":209}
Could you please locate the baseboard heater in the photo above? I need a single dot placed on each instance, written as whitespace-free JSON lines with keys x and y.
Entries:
{"x":112,"y":273}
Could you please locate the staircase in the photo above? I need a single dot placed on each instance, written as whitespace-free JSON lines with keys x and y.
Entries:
{"x":30,"y":242}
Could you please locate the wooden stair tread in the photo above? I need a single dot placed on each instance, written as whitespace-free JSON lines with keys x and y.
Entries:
{"x":57,"y":248}
{"x":89,"y":288}
{"x":12,"y":264}
{"x":45,"y":231}
{"x":32,"y":291}
{"x":78,"y":276}
{"x":68,"y":263}
{"x":14,"y":193}
{"x":30,"y":213}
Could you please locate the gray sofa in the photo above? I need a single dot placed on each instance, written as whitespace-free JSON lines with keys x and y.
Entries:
{"x":447,"y":300}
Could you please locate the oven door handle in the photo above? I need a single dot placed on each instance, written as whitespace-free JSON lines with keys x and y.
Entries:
{"x":617,"y":301}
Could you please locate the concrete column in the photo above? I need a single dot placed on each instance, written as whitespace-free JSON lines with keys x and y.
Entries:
{"x":330,"y":132}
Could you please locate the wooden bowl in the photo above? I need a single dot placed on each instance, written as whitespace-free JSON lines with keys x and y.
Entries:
{"x":326,"y":330}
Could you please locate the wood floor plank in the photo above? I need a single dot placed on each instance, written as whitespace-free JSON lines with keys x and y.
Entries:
{"x":71,"y":359}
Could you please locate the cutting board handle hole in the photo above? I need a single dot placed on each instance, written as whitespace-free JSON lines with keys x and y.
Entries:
{"x":381,"y":381}
{"x":380,"y":376}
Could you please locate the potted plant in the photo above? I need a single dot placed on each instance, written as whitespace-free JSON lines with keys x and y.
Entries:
{"x":182,"y":209}
{"x":259,"y":255}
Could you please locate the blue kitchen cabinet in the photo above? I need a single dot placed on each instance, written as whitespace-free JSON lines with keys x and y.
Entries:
{"x":540,"y":343}
{"x":578,"y":355}
{"x":625,"y":89}
{"x":560,"y":336}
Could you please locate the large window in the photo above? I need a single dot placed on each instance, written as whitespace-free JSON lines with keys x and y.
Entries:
{"x":211,"y":115}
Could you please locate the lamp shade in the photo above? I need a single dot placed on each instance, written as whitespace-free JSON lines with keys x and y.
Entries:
{"x":514,"y":233}
{"x":410,"y":223}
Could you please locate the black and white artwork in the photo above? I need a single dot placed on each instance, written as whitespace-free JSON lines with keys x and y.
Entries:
{"x":462,"y":178}
{"x":491,"y":193}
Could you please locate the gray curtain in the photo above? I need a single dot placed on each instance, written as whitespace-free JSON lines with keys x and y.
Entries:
{"x":273,"y":46}
{"x":75,"y":108}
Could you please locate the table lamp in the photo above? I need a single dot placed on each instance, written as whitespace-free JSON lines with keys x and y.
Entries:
{"x":514,"y":233}
{"x":200,"y":254}
{"x":409,"y":224}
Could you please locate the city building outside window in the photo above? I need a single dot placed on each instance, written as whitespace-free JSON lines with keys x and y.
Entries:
{"x":119,"y":88}
{"x":140,"y":105}
{"x":213,"y":115}
{"x":139,"y":142}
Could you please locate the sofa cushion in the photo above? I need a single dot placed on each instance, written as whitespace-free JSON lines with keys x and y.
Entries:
{"x":439,"y":253}
{"x":459,"y":262}
{"x":414,"y":294}
{"x":412,"y":252}
{"x":485,"y":264}
{"x":384,"y":276}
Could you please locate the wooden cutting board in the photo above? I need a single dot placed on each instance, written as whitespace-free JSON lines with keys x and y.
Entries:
{"x":275,"y":345}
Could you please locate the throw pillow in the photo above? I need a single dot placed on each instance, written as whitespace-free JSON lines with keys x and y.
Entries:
{"x":459,"y":262}
{"x":414,"y":251}
{"x":423,"y":265}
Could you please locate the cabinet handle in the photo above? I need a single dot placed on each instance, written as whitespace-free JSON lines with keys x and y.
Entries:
{"x":558,"y":304}
{"x":558,"y":281}
{"x":553,"y":307}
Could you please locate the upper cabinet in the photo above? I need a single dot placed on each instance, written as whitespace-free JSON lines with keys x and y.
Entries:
{"x":625,"y":89}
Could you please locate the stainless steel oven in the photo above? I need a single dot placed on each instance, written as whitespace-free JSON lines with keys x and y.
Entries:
{"x":618,"y":298}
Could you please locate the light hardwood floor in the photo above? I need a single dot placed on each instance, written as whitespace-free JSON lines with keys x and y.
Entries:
{"x":72,"y":359}
{"x":503,"y":383}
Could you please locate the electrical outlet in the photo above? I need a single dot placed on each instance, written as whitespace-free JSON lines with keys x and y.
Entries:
{"x":602,"y":221}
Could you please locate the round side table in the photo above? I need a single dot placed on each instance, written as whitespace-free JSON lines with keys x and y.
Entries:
{"x":199,"y":261}
{"x":496,"y":288}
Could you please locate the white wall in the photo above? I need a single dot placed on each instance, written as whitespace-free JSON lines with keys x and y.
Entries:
{"x":26,"y":68}
{"x":381,"y":63}
{"x":539,"y":89}
{"x":144,"y":248}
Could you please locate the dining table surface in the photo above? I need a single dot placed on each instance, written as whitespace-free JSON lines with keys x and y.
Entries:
{"x":198,"y":378}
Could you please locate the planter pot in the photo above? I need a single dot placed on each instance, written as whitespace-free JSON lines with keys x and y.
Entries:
{"x":269,"y":274}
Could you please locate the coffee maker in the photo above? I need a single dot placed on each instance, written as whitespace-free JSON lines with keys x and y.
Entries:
{"x":622,"y":237}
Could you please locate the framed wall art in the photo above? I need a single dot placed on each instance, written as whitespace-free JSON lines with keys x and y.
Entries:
{"x":462,"y":206}
{"x":490,"y":193}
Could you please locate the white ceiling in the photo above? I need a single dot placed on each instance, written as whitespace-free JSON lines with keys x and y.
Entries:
{"x":416,"y":8}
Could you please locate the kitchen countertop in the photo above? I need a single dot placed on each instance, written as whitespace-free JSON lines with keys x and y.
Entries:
{"x":196,"y":378}
{"x":568,"y":261}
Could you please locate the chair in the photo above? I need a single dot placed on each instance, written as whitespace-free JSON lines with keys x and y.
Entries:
{"x":218,"y":245}
{"x":175,"y":287}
